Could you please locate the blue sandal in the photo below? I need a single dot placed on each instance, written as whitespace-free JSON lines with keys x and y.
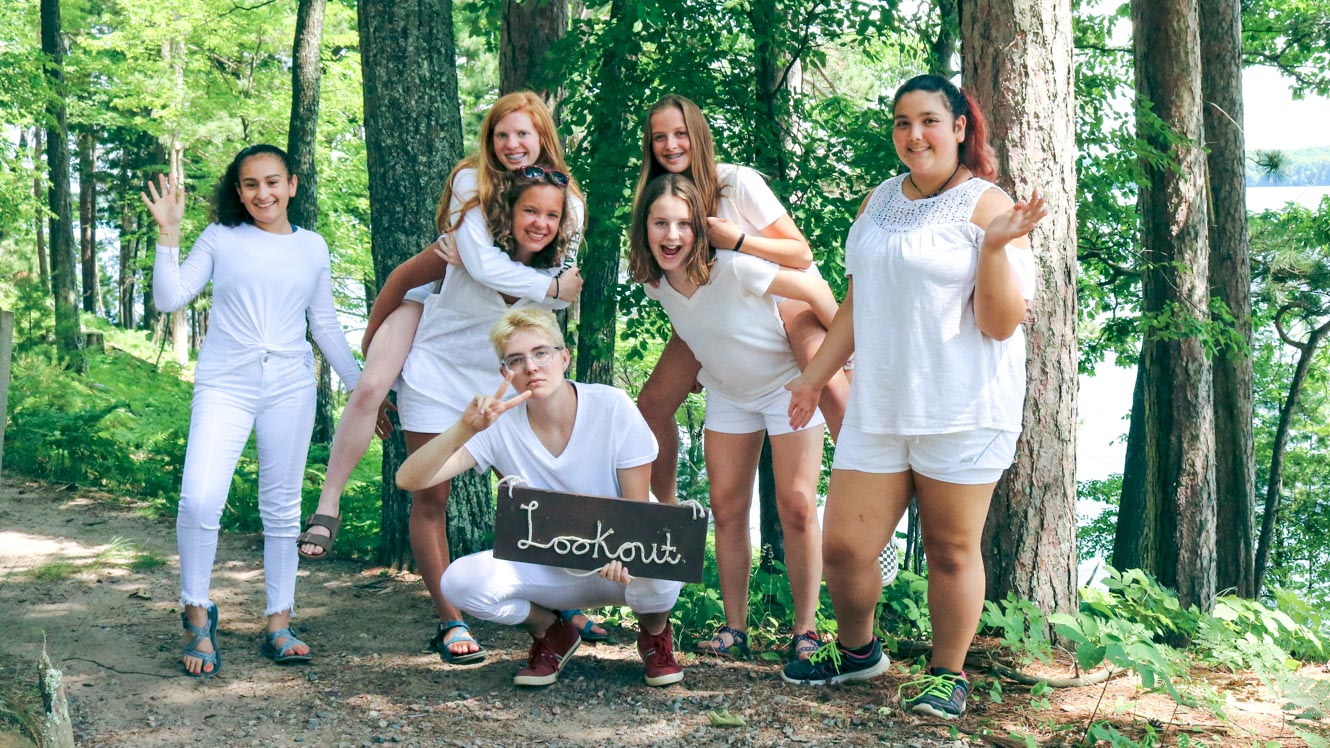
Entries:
{"x":282,"y":655}
{"x":441,"y":645}
{"x":738,"y":646}
{"x":588,"y":631}
{"x":200,"y":634}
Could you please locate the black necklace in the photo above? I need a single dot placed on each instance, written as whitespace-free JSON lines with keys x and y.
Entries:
{"x":910,"y":178}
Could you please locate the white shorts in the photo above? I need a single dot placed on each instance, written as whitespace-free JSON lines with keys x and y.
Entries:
{"x":770,"y":412}
{"x":963,"y":457}
{"x":421,"y":413}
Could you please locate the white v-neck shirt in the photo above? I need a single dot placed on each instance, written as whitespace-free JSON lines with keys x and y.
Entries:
{"x":609,"y":434}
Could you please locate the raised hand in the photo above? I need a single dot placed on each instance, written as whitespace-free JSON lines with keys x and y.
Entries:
{"x":1018,"y":221}
{"x":446,"y":248}
{"x":484,"y":410}
{"x":166,"y":205}
{"x":803,"y":401}
{"x":615,"y":571}
{"x":722,"y":233}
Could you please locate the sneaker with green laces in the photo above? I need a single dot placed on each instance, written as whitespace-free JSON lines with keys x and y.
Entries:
{"x":832,"y":664}
{"x":942,"y":694}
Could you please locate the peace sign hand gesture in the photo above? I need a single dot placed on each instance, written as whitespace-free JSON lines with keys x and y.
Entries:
{"x":484,"y":410}
{"x":167,"y":206}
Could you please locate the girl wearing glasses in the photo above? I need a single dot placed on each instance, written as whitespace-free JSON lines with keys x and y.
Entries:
{"x":722,"y":303}
{"x":516,"y":135}
{"x":561,"y":436}
{"x":743,"y":215}
{"x":255,"y":373}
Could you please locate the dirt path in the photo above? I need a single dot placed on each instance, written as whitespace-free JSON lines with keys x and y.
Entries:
{"x":79,"y":570}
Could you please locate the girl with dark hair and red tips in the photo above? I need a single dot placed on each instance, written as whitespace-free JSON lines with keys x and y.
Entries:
{"x":255,"y":373}
{"x":518,"y":142}
{"x":743,"y":215}
{"x":940,"y":275}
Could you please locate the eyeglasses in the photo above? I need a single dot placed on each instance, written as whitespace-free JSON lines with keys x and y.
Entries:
{"x":554,"y":177}
{"x":517,"y":363}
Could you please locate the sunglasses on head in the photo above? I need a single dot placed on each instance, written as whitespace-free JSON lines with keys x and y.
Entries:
{"x":554,"y":177}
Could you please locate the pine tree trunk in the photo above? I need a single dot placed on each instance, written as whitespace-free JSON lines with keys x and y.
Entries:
{"x":87,"y":143}
{"x":529,"y":30}
{"x":1137,"y":537}
{"x":610,"y":156}
{"x":1178,"y":380}
{"x":1230,"y":282}
{"x":1017,"y":61}
{"x":68,"y":335}
{"x":412,"y":140}
{"x":943,"y":48}
{"x":43,"y":259}
{"x":301,"y":144}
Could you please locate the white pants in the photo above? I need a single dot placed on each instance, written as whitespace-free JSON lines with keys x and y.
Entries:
{"x":503,"y":591}
{"x":274,"y":397}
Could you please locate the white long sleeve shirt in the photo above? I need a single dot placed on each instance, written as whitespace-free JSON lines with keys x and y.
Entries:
{"x":264,"y":287}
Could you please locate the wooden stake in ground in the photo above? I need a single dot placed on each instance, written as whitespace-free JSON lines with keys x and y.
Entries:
{"x":56,"y":731}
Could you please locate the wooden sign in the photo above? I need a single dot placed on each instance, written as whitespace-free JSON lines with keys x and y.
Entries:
{"x":656,"y":541}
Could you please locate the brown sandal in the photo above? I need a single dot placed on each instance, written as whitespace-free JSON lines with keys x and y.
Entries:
{"x":331,"y":523}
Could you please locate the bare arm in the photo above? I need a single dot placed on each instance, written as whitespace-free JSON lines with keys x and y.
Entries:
{"x":796,"y":284}
{"x":806,"y":388}
{"x":635,"y":482}
{"x":781,"y":242}
{"x":443,"y":457}
{"x":998,"y":304}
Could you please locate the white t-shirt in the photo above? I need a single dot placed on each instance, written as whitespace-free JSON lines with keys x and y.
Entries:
{"x":922,"y":366}
{"x":609,"y":434}
{"x":747,"y":199}
{"x":264,"y":288}
{"x":732,"y":327}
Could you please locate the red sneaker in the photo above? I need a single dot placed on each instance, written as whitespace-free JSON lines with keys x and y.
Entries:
{"x":658,"y":656}
{"x":549,"y":654}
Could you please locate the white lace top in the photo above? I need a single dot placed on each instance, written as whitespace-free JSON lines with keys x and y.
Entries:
{"x":922,"y":366}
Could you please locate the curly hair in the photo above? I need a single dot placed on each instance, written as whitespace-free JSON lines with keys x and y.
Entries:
{"x":499,"y":217}
{"x":226,"y":206}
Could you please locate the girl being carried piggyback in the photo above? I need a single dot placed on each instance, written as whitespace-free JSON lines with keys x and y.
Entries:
{"x":721,"y":303}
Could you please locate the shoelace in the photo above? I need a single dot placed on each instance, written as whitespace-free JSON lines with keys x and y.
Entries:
{"x":940,"y":686}
{"x":657,"y":653}
{"x":542,"y":651}
{"x":828,"y":651}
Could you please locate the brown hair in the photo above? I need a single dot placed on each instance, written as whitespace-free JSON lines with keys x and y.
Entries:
{"x":974,"y":152}
{"x":642,"y":265}
{"x":500,"y":219}
{"x":486,"y":162}
{"x":702,"y":153}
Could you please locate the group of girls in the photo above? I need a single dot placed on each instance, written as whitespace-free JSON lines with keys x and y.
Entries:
{"x":942,"y":272}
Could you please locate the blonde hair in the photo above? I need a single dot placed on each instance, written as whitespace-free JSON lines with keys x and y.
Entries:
{"x":701,"y":150}
{"x":531,"y":319}
{"x":642,"y":265}
{"x":486,"y":162}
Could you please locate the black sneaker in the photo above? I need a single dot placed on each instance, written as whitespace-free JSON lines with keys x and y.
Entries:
{"x":831,"y":664}
{"x":942,"y":694}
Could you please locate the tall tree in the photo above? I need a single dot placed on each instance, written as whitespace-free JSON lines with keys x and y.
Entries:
{"x":412,"y":141}
{"x":609,"y":158}
{"x":68,"y":336}
{"x":1167,"y":526}
{"x":301,"y":142}
{"x":529,"y":30}
{"x":1017,"y":61}
{"x":943,"y":46}
{"x":1230,"y":282}
{"x":87,"y":147}
{"x":43,"y":258}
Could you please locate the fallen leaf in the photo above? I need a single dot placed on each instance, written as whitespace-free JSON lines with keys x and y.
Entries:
{"x":139,"y":594}
{"x":723,"y":718}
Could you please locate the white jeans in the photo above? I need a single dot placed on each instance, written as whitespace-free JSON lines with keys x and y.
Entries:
{"x":503,"y":591}
{"x":274,"y":397}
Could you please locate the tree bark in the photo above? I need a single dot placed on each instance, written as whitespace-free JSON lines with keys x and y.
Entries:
{"x":943,"y":48}
{"x":1136,"y":539}
{"x":87,"y":144}
{"x":529,"y":30}
{"x":1230,"y":278}
{"x":610,"y":155}
{"x":1178,"y":379}
{"x":128,"y":256}
{"x":43,"y":259}
{"x":1275,"y":483}
{"x":1016,"y":57}
{"x":301,"y":145}
{"x":68,"y":336}
{"x":412,"y":141}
